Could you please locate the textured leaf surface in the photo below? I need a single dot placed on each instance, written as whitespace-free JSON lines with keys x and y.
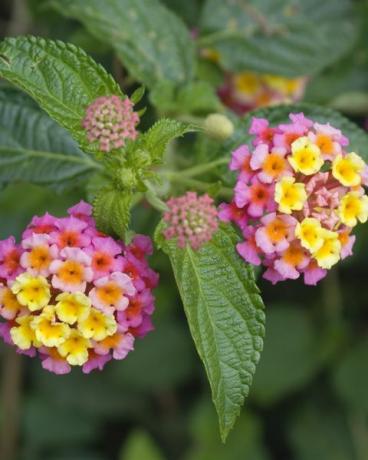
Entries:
{"x":225,"y":315}
{"x":33,"y":147}
{"x":156,"y":139}
{"x":59,"y":76}
{"x":111,"y":209}
{"x":152,"y":42}
{"x":279,"y":37}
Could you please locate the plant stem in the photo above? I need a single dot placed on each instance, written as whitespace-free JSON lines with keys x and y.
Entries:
{"x":200,"y":169}
{"x":10,"y":404}
{"x":179,"y":177}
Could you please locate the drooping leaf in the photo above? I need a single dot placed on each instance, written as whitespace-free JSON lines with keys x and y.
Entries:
{"x":281,"y":38}
{"x":33,"y":148}
{"x":151,"y":41}
{"x":59,"y":76}
{"x":225,"y":316}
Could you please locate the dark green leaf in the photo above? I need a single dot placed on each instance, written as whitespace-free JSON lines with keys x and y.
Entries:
{"x":152,"y":42}
{"x":320,"y":432}
{"x":289,"y":360}
{"x":34,"y":148}
{"x":281,"y":38}
{"x":59,"y":76}
{"x":351,"y":377}
{"x":225,"y":315}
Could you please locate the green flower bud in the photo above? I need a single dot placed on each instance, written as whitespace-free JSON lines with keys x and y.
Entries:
{"x":218,"y":126}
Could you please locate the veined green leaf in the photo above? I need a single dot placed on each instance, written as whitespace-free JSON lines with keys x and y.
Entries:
{"x":225,"y":316}
{"x":151,"y":41}
{"x":33,"y":147}
{"x":156,"y":139}
{"x":59,"y":76}
{"x":279,"y":37}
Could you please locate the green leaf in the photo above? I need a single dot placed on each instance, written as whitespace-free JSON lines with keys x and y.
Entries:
{"x":111,"y":209}
{"x":59,"y":76}
{"x":156,"y":139}
{"x":319,"y":431}
{"x":33,"y":148}
{"x":225,"y":316}
{"x":279,"y":114}
{"x":351,"y":377}
{"x":282,"y":38}
{"x":284,"y":368}
{"x":151,"y":41}
{"x":194,"y":98}
{"x":139,"y":446}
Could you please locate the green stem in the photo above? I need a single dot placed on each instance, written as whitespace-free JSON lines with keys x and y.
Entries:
{"x":178,"y":177}
{"x":200,"y":169}
{"x":153,"y":199}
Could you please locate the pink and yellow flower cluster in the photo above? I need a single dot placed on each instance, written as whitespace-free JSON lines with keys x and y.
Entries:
{"x":246,"y":91}
{"x":299,"y":194}
{"x":72,"y":295}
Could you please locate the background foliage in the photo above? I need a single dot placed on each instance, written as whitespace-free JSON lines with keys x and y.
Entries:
{"x":308,"y":400}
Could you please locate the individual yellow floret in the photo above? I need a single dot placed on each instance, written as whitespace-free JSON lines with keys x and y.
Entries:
{"x":23,"y":335}
{"x":75,"y":349}
{"x":31,"y":291}
{"x":48,"y":331}
{"x":306,"y":157}
{"x":71,"y":308}
{"x":310,"y":234}
{"x":97,"y":325}
{"x":290,"y":195}
{"x":348,"y":169}
{"x":353,"y":208}
{"x":329,"y":253}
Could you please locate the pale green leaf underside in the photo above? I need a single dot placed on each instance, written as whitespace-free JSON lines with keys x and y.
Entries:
{"x":33,"y":147}
{"x":225,"y":316}
{"x":279,"y":37}
{"x":152,"y":42}
{"x":59,"y":76}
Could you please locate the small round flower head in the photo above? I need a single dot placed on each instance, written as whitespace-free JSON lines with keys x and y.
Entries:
{"x":72,"y":295}
{"x":298,"y":195}
{"x":191,"y":219}
{"x":109,"y":121}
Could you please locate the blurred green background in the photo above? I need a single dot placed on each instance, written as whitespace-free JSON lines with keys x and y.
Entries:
{"x":309,"y":400}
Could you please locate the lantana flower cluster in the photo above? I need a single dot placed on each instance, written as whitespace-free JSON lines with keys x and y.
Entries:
{"x":247,"y":91}
{"x":298,"y":196}
{"x":72,"y":295}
